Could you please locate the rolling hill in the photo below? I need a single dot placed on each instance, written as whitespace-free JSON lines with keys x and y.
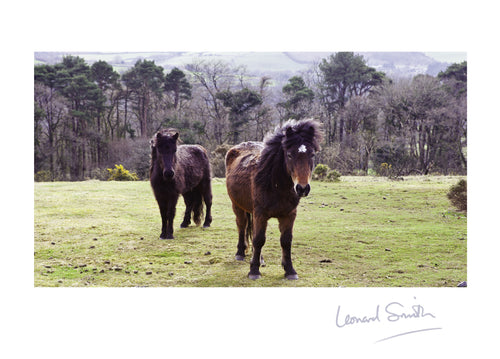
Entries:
{"x":394,"y":64}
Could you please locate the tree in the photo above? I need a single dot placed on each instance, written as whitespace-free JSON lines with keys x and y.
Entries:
{"x":298,"y":98}
{"x":263,"y":114}
{"x":423,"y":126}
{"x":46,"y":75}
{"x":106,"y":79}
{"x":213,"y":77}
{"x":344,"y":75}
{"x":176,"y":113}
{"x":360,"y":116}
{"x":68,"y":103}
{"x":51,"y":110}
{"x":86,"y":103}
{"x":177,"y":83}
{"x":239,"y":103}
{"x":455,"y":79}
{"x":104,"y":75}
{"x":145,"y":81}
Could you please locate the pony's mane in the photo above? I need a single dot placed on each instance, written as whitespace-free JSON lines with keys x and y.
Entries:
{"x":164,"y":132}
{"x":296,"y":132}
{"x":292,"y":132}
{"x":305,"y":131}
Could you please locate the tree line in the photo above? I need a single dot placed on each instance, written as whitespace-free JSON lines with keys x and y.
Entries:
{"x":88,"y":118}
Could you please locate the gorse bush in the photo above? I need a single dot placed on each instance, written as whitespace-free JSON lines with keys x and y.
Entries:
{"x":333,"y":176}
{"x":385,"y":169}
{"x":119,"y":173}
{"x":458,"y":195}
{"x":323,"y":173}
{"x":320,"y":171}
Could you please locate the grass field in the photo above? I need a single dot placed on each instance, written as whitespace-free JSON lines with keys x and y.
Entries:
{"x":360,"y":232}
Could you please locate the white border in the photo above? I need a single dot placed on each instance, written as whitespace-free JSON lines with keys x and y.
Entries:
{"x":237,"y":322}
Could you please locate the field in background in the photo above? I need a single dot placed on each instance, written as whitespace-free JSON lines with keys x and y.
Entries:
{"x":360,"y":232}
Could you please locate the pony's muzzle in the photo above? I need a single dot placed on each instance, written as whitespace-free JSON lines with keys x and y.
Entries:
{"x":168,"y":174}
{"x":302,"y":191}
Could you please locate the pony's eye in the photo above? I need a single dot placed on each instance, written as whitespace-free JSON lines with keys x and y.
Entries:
{"x":289,"y":155}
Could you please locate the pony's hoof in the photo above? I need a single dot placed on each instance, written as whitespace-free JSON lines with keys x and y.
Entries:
{"x":184,"y":225}
{"x":169,"y":236}
{"x":292,"y":276}
{"x":206,"y":226}
{"x":254,"y":276}
{"x":239,"y":257}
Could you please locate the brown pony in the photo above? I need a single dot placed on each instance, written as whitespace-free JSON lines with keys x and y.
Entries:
{"x":175,"y":170}
{"x":267,"y":180}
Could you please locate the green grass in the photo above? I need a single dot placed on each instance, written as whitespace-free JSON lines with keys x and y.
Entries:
{"x":360,"y":232}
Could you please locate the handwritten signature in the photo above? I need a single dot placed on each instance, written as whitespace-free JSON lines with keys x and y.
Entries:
{"x":392,"y":312}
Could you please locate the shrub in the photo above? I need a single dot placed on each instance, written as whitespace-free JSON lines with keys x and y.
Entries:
{"x":321,"y":171}
{"x":43,"y":176}
{"x":458,"y":195}
{"x":385,"y":169}
{"x":333,"y":176}
{"x":121,"y":174}
{"x":345,"y":160}
{"x":396,"y":156}
{"x":324,"y":173}
{"x":218,"y":161}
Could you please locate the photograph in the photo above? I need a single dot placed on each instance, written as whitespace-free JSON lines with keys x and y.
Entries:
{"x":250,"y":169}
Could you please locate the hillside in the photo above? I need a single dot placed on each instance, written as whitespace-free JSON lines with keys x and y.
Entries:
{"x":394,"y":64}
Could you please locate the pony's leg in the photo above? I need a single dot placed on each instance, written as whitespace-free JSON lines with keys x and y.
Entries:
{"x":259,"y":239}
{"x":164,"y":220}
{"x":286,"y":228}
{"x":207,"y":198}
{"x":241,"y":222}
{"x":170,"y":218}
{"x":188,"y":200}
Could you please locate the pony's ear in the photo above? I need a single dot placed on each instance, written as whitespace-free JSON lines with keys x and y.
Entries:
{"x":311,"y":130}
{"x":154,"y":139}
{"x":175,"y":136}
{"x":289,"y":131}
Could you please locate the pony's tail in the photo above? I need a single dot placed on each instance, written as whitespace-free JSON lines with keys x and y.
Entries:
{"x":197,"y":207}
{"x":248,"y":230}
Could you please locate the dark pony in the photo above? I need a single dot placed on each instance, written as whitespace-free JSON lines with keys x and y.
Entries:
{"x":267,"y":180}
{"x":175,"y":170}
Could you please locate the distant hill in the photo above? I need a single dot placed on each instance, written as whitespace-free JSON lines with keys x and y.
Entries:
{"x":394,"y":64}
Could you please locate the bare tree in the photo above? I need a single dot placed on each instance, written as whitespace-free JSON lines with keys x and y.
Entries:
{"x":211,"y":78}
{"x":425,"y":122}
{"x":51,"y":110}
